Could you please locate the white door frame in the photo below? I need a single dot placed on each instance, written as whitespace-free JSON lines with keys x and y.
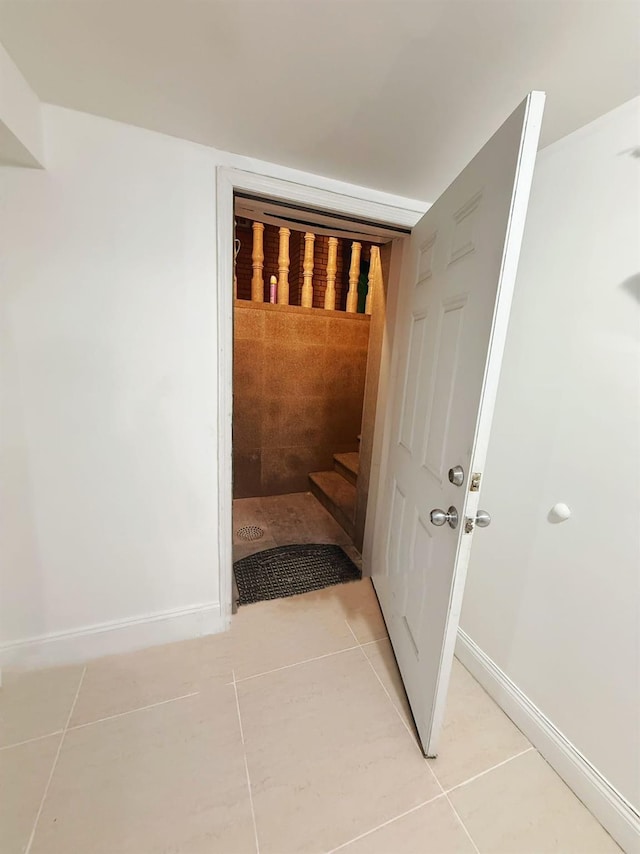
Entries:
{"x":228,"y":181}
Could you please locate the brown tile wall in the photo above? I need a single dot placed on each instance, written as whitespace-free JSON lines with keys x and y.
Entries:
{"x":296,"y":256}
{"x":299,"y":377}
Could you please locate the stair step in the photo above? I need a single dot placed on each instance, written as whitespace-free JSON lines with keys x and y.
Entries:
{"x":347,"y":465}
{"x":337,"y":495}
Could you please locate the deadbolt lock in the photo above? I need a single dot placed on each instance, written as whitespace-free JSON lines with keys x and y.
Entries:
{"x":456,"y":475}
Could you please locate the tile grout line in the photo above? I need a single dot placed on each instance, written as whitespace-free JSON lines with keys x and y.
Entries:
{"x":99,"y":720}
{"x":412,"y":737}
{"x":462,"y":824}
{"x":235,"y":691}
{"x":443,"y":792}
{"x":383,"y":686}
{"x":295,"y":664}
{"x":246,"y":764}
{"x":385,"y":823}
{"x":376,"y":640}
{"x":488,"y":770}
{"x":133,"y":711}
{"x":464,"y":782}
{"x":55,"y":762}
{"x":31,"y":740}
{"x":453,"y":809}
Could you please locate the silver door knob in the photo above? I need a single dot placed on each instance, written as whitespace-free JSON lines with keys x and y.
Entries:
{"x":482,"y":520}
{"x":439,"y":517}
{"x":456,"y":475}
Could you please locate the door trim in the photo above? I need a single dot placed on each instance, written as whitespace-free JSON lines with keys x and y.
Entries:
{"x":228,"y":181}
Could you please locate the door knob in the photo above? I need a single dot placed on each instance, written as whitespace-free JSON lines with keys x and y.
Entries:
{"x":439,"y":517}
{"x":482,"y":520}
{"x":456,"y":475}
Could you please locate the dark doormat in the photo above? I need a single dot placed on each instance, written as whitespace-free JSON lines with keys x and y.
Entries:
{"x":289,"y":570}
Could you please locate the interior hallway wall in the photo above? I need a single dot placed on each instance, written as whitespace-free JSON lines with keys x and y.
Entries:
{"x":557,"y":605}
{"x":108,"y":376}
{"x":108,"y":272}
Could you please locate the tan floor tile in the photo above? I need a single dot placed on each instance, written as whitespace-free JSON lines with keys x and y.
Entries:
{"x":300,"y":518}
{"x":476,"y":734}
{"x":167,"y":779}
{"x":242,"y":549}
{"x":120,"y":683}
{"x":381,"y":656}
{"x":248,"y":511}
{"x":523,"y":806}
{"x":24,"y":771}
{"x":286,"y":517}
{"x":281,"y":632}
{"x":431,"y":829}
{"x":36,"y":703}
{"x":328,"y":757}
{"x":362,"y":611}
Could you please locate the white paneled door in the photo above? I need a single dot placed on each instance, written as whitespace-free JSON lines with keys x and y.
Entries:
{"x":458,"y":275}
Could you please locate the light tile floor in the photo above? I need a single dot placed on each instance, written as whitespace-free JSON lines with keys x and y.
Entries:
{"x":285,"y":519}
{"x":288,"y":734}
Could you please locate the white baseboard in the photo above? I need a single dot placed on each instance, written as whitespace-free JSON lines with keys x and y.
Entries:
{"x":611,"y":809}
{"x":113,"y":637}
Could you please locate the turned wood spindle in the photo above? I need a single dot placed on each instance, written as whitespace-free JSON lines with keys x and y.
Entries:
{"x":283,"y":267}
{"x":374,"y":274}
{"x":354,"y":275}
{"x":307,"y":271}
{"x":257,"y":263}
{"x":332,"y":267}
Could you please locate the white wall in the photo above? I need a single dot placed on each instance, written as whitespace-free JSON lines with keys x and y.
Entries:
{"x":21,"y":137}
{"x":557,"y":606}
{"x":108,"y":376}
{"x":108,"y":439}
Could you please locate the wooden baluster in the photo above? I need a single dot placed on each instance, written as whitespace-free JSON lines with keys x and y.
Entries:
{"x":374,"y":273}
{"x":283,"y":267}
{"x":307,"y":271}
{"x":354,"y":275}
{"x":257,"y":263}
{"x":332,"y":267}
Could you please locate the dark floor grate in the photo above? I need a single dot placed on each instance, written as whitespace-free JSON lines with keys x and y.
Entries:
{"x":289,"y":570}
{"x":250,"y":533}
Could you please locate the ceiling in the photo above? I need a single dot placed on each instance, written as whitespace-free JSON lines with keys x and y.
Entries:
{"x":392,"y":94}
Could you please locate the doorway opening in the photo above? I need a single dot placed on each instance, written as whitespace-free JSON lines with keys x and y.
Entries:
{"x":309,"y":304}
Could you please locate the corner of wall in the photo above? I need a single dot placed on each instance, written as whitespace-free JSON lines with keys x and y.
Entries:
{"x":613,"y":811}
{"x":21,"y":127}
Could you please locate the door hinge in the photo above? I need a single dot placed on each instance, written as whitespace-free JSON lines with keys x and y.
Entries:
{"x":474,"y":484}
